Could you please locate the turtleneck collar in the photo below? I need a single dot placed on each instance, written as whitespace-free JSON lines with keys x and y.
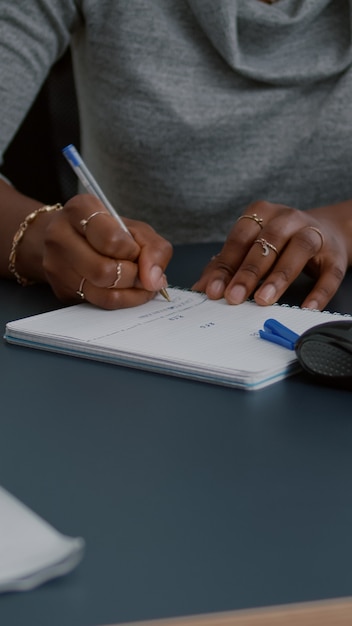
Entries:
{"x":256,"y":39}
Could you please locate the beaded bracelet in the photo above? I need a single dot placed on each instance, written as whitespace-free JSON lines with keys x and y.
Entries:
{"x":19,"y":236}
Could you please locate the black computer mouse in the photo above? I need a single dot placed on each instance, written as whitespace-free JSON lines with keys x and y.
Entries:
{"x":325,"y":352}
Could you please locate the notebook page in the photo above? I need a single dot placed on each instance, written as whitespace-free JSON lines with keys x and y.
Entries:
{"x":214,"y":335}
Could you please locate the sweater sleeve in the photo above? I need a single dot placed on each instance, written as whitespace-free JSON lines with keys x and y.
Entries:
{"x":33,"y":35}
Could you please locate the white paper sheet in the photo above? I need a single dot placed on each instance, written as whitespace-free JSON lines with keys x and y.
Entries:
{"x":31,"y":550}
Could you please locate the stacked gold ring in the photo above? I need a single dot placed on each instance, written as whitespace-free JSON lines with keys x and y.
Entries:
{"x":253,"y":217}
{"x":118,"y":276}
{"x":266,"y":246}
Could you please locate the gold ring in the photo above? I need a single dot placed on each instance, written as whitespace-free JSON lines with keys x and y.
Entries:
{"x":253,"y":217}
{"x":266,"y":246}
{"x":118,"y":275}
{"x":320,"y":235}
{"x":84,"y":222}
{"x":79,"y":291}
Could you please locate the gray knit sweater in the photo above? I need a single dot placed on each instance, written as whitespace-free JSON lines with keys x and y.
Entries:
{"x":191,"y":109}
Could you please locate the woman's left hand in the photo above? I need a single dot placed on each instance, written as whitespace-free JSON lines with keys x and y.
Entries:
{"x":271,"y":244}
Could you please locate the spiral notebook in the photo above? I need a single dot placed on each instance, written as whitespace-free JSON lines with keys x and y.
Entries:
{"x":190,"y":337}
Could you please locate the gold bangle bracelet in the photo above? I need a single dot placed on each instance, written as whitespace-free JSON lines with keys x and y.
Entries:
{"x":19,"y":236}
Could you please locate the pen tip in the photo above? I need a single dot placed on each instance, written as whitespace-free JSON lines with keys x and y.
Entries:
{"x":165,"y":294}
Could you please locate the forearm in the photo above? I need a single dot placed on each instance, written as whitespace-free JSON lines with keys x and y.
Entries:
{"x":14,"y":208}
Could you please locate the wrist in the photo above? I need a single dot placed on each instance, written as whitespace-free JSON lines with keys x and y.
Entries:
{"x":25,"y":259}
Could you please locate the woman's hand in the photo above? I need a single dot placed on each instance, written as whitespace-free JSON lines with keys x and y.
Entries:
{"x":86,"y":255}
{"x":271,"y":244}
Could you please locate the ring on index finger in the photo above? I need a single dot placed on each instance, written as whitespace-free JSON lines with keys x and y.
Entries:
{"x":254,"y":217}
{"x":84,"y":222}
{"x":266,"y":246}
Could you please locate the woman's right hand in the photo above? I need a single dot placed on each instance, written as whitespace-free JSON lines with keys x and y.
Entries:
{"x":87,"y":255}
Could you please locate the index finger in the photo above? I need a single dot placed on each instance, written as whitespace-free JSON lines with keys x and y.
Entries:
{"x":154,"y":257}
{"x":103,"y":232}
{"x":222,"y":267}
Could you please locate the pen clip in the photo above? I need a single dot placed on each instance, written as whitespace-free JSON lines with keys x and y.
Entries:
{"x":277,"y":333}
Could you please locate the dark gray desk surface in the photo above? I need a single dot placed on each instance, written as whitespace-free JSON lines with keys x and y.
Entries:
{"x":191,"y":498}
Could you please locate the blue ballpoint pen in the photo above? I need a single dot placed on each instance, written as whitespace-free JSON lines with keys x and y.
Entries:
{"x":91,"y":185}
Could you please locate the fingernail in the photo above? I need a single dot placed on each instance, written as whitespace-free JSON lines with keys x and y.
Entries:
{"x":267,"y":294}
{"x":313,"y":305}
{"x":216,"y":289}
{"x":157,"y":277}
{"x":237,"y":294}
